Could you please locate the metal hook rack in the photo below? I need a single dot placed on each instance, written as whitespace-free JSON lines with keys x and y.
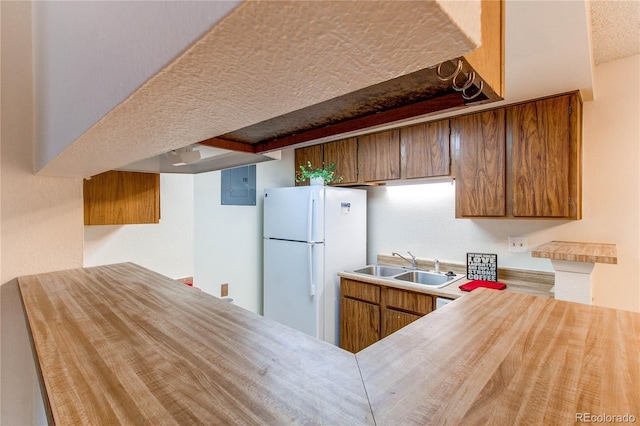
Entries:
{"x":463,"y":88}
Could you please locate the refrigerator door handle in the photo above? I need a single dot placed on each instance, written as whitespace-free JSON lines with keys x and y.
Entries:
{"x":312,"y":288}
{"x":310,"y":217}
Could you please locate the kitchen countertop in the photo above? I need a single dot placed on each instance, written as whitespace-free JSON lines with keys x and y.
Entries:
{"x":449,"y":291}
{"x":121,"y":344}
{"x":536,"y":283}
{"x":577,"y":252}
{"x":503,"y":358}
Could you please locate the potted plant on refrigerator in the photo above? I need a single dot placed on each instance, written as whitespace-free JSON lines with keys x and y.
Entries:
{"x":318,"y":175}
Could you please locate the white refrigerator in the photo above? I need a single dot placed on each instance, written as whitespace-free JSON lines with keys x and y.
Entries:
{"x":310,"y":234}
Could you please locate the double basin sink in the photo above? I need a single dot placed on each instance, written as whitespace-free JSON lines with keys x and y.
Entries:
{"x":416,"y":276}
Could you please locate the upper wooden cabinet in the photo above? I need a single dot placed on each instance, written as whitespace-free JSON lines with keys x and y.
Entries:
{"x":480,"y":152}
{"x":415,"y":152}
{"x":545,"y":157}
{"x":344,"y":154}
{"x":379,"y":156}
{"x":121,"y":198}
{"x":425,"y":149}
{"x":518,"y":161}
{"x":313,"y":154}
{"x":535,"y":145}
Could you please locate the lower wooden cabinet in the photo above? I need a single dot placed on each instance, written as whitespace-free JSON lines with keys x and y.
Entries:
{"x":370,"y":312}
{"x":393,"y":320}
{"x":361,"y":326}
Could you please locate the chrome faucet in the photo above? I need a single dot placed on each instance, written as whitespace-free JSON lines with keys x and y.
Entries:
{"x":413,"y":262}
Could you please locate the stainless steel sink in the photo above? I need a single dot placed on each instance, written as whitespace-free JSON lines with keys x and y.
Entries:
{"x":416,"y":276}
{"x":431,"y":279}
{"x":380,"y":270}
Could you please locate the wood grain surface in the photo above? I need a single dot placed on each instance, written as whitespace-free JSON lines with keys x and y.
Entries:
{"x":359,"y":324}
{"x":541,"y":135}
{"x":360,"y":291}
{"x":426,"y":150}
{"x":577,"y":252}
{"x":393,"y":321}
{"x":504,"y":358}
{"x":379,"y":156}
{"x":415,"y":303}
{"x":344,"y":154}
{"x":120,"y":198}
{"x":480,"y":153}
{"x":488,"y":59}
{"x":119,"y":344}
{"x":313,"y":154}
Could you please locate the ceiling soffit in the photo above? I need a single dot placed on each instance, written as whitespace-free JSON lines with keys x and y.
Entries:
{"x":269,"y":59}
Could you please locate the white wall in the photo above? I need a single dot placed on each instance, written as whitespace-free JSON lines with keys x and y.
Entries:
{"x":421,"y":218}
{"x":166,"y":247}
{"x":612,"y":179}
{"x":228,"y":239}
{"x":89,"y":56}
{"x":41,"y":218}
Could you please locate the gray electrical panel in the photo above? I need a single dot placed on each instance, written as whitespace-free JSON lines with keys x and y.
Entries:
{"x":239,"y":186}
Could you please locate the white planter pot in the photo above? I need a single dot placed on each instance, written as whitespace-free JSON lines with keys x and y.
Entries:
{"x":316,"y":181}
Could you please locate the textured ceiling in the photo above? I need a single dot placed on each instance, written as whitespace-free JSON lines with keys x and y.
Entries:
{"x":615,"y":26}
{"x":316,"y":58}
{"x":267,"y":59}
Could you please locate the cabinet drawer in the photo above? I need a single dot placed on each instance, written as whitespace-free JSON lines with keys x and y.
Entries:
{"x":361,"y":291}
{"x":407,"y":301}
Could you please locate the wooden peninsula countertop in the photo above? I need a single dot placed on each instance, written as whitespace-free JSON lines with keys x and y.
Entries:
{"x":120,"y":344}
{"x":577,"y":252}
{"x":504,"y":358}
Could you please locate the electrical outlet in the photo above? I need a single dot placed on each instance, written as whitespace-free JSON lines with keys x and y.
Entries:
{"x":518,"y":244}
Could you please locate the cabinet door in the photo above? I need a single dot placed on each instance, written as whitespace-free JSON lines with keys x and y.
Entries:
{"x":380,"y":156}
{"x":359,"y":324}
{"x":344,"y":154}
{"x":393,"y":321}
{"x":480,"y":157}
{"x":426,"y":150}
{"x":121,"y":198}
{"x":540,"y":157}
{"x":314,"y":154}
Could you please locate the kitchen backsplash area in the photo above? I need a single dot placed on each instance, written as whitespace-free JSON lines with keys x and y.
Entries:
{"x":421,"y":218}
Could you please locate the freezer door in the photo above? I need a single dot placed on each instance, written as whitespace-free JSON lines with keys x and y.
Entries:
{"x":293,"y":290}
{"x":294,"y":214}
